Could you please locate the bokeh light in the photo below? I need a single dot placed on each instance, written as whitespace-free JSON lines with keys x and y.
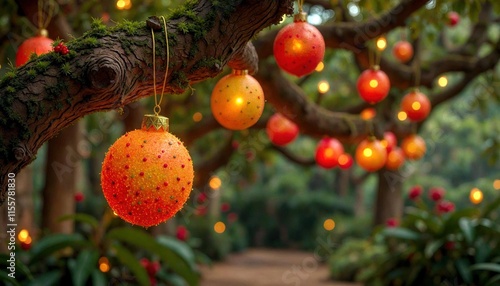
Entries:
{"x":215,"y":183}
{"x":381,"y":43}
{"x":476,"y":196}
{"x":323,"y":86}
{"x":443,"y":81}
{"x":124,"y":4}
{"x":219,"y":227}
{"x":197,"y":117}
{"x":104,"y":264}
{"x":368,"y":113}
{"x":496,"y":184}
{"x":402,"y":116}
{"x":329,"y":224}
{"x":23,"y":235}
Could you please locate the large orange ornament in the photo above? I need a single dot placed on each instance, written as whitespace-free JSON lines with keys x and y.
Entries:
{"x":416,"y":105}
{"x":413,"y":147}
{"x":395,"y":159}
{"x":237,"y":100}
{"x":147,"y":174}
{"x":371,"y":155}
{"x":39,"y":44}
{"x":299,"y":47}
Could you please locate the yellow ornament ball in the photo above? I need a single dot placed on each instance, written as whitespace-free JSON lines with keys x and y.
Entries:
{"x":237,"y":100}
{"x":147,"y":174}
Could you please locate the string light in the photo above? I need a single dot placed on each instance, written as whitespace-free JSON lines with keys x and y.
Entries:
{"x":476,"y":196}
{"x":323,"y":86}
{"x":123,"y":4}
{"x":104,"y":264}
{"x":219,"y":227}
{"x":381,"y":43}
{"x":320,"y":67}
{"x":496,"y":184}
{"x":23,"y":235}
{"x":197,"y":117}
{"x":215,"y":183}
{"x":402,"y":116}
{"x":329,"y":224}
{"x":443,"y":81}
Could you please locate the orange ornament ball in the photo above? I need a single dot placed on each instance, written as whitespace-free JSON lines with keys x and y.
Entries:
{"x":237,"y":100}
{"x":413,"y":147}
{"x":38,"y":45}
{"x":371,"y":155}
{"x":299,"y":47}
{"x":280,"y":130}
{"x":147,"y":174}
{"x":373,"y":85}
{"x":395,"y":159}
{"x":416,"y":105}
{"x":403,"y":51}
{"x":328,"y":152}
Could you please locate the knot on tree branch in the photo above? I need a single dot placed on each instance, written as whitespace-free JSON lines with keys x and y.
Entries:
{"x":105,"y":73}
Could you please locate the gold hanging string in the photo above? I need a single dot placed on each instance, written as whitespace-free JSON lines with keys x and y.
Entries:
{"x":44,"y":23}
{"x":157,"y":108}
{"x":300,"y":3}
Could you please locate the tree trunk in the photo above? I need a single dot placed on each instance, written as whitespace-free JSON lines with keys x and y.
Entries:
{"x":389,"y":202}
{"x":63,"y":165}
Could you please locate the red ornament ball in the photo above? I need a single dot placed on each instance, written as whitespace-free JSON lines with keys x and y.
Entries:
{"x":453,"y":18}
{"x":373,"y":85}
{"x":299,"y":47}
{"x":280,"y":130}
{"x":389,"y":141}
{"x":38,"y":45}
{"x":403,"y":51}
{"x":371,"y":155}
{"x":237,"y":100}
{"x":147,"y":176}
{"x":416,"y":105}
{"x":413,"y":147}
{"x":395,"y":159}
{"x":345,"y":161}
{"x":328,"y":152}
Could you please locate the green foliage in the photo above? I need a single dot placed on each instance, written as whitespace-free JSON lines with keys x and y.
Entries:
{"x":72,"y":259}
{"x":428,"y":248}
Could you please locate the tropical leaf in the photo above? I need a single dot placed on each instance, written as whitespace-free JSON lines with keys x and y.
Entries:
{"x":46,"y":279}
{"x":98,"y":278}
{"x":81,"y":217}
{"x":7,"y":279}
{"x":432,"y":247}
{"x":50,"y":244}
{"x":463,"y":267}
{"x":466,"y":225}
{"x":82,"y":267}
{"x":494,"y":267}
{"x":131,"y":262}
{"x":144,"y":240}
{"x":180,"y":248}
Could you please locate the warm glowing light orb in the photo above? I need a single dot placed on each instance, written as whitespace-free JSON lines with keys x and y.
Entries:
{"x":197,"y":117}
{"x":368,"y":113}
{"x":381,"y":43}
{"x":219,"y":227}
{"x":476,"y":196}
{"x":23,"y":235}
{"x":104,"y":264}
{"x":323,"y":86}
{"x":442,"y":81}
{"x":215,"y":183}
{"x":329,"y":224}
{"x":496,"y":184}
{"x":320,"y":67}
{"x":402,"y":116}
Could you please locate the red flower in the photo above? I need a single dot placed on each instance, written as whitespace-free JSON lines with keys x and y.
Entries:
{"x":225,"y":207}
{"x":415,"y":192}
{"x":182,"y":233}
{"x":392,"y":222}
{"x":445,"y":207}
{"x":202,"y":197}
{"x":79,"y":197}
{"x":232,"y":217}
{"x":151,"y":266}
{"x":436,"y":194}
{"x":449,"y":245}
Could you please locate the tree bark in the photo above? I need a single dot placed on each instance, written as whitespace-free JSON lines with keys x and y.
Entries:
{"x":389,"y":202}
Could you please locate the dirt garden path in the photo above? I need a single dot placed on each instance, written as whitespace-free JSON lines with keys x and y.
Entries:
{"x":269,"y":267}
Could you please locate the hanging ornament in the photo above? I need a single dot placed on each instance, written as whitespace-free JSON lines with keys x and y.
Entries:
{"x":40,"y":44}
{"x":328,"y":152}
{"x":345,"y":161}
{"x":389,"y":141}
{"x":403,"y":51}
{"x":413,"y":147}
{"x":416,"y":105}
{"x":280,"y":130}
{"x":453,"y":18}
{"x":147,"y":174}
{"x":371,"y":155}
{"x":373,"y":85}
{"x":395,"y":159}
{"x":299,"y":47}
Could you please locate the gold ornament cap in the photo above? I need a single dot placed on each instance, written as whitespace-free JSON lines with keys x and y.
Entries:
{"x":300,"y":17}
{"x":43,"y":32}
{"x":153,"y":122}
{"x":240,"y":72}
